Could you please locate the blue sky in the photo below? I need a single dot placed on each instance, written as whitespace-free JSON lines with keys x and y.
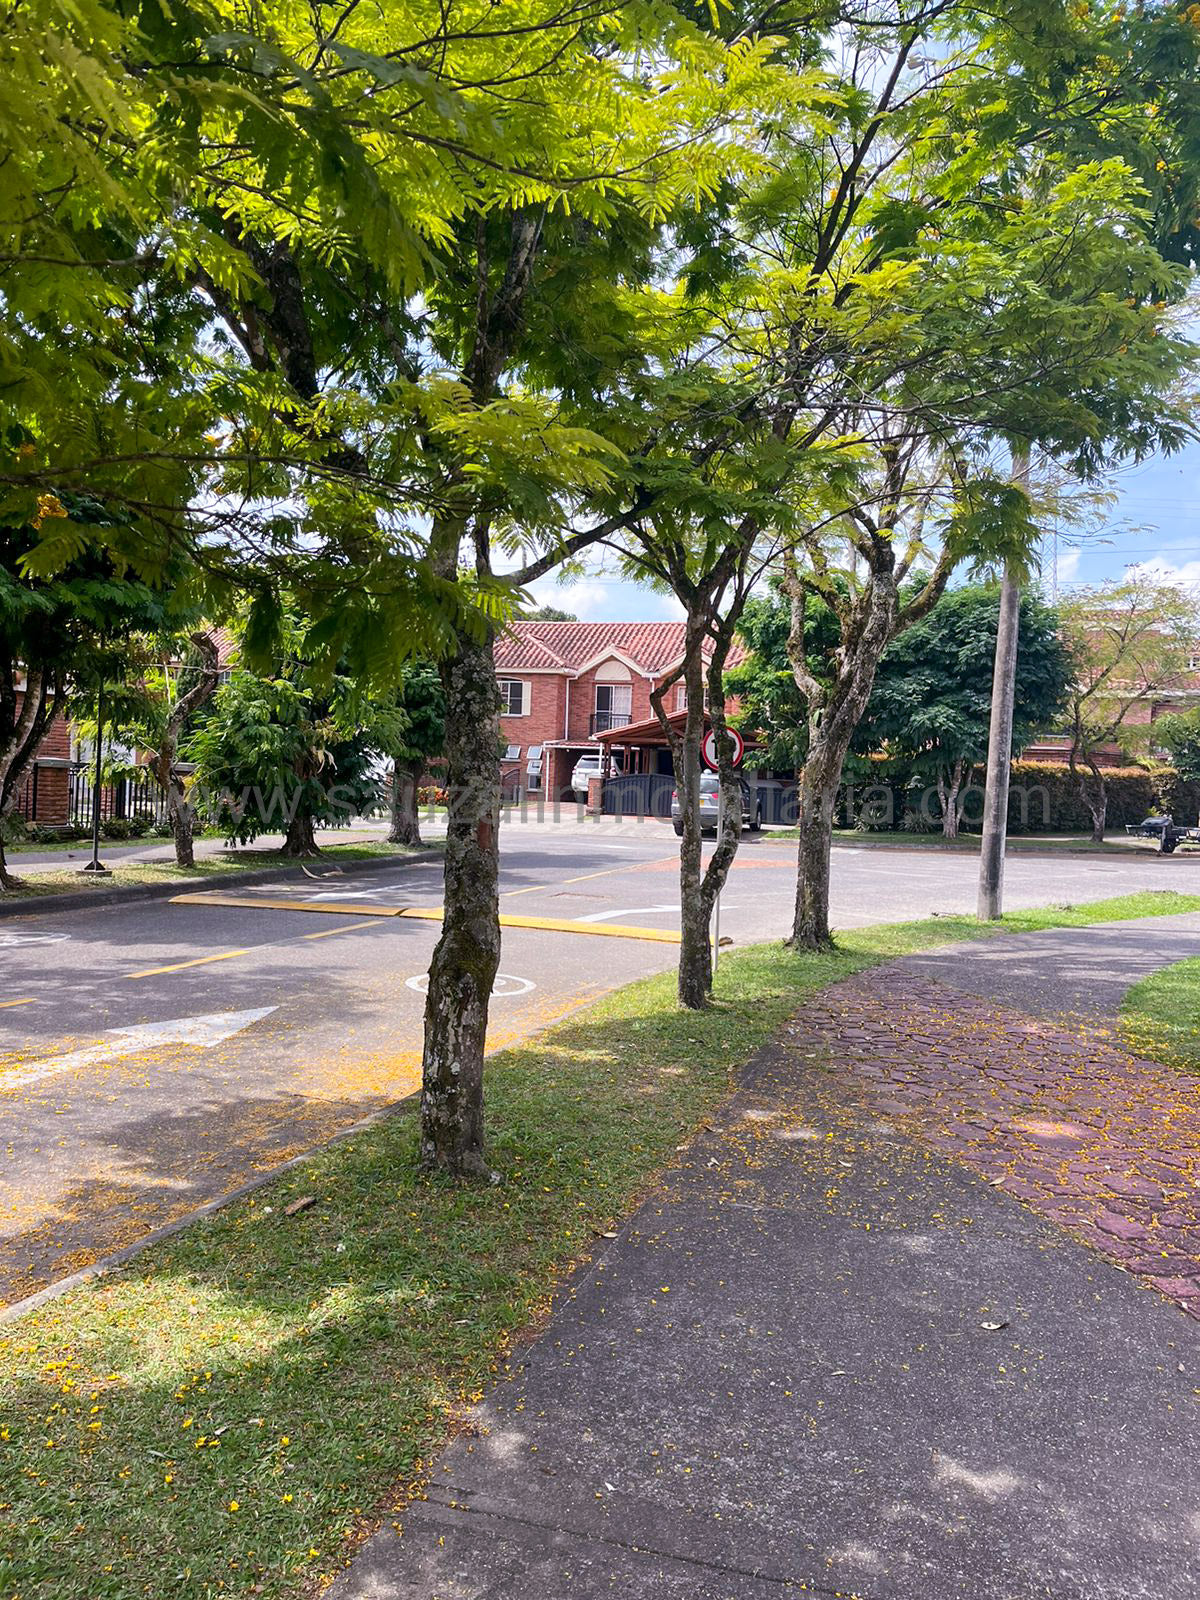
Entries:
{"x":1155,"y":521}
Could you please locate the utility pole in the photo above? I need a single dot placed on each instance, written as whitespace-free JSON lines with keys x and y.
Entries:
{"x":94,"y":865}
{"x":990,"y":903}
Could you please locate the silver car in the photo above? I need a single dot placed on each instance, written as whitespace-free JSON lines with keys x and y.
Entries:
{"x":710,"y":786}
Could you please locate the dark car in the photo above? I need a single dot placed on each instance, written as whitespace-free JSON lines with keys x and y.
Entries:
{"x":709,"y":803}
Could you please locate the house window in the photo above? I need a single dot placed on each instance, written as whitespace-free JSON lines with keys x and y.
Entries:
{"x":1194,"y":663}
{"x":514,"y":698}
{"x":614,"y":706}
{"x":512,"y":752}
{"x":533,"y":767}
{"x":681,"y":697}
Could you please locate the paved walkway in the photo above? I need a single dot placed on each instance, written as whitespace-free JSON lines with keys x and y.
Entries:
{"x":868,"y":1340}
{"x":1064,"y":972}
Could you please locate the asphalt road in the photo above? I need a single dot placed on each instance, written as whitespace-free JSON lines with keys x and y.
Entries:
{"x":258,"y":1032}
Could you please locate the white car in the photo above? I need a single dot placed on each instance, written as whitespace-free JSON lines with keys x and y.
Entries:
{"x":588,"y":766}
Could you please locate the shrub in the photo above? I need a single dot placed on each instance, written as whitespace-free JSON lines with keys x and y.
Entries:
{"x":116,"y":828}
{"x":13,"y":828}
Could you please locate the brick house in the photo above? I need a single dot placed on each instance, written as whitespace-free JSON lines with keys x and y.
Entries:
{"x":57,"y":787}
{"x":564,"y":683}
{"x":1145,"y":708}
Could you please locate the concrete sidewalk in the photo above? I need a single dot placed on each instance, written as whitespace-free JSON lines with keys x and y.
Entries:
{"x":832,"y":1355}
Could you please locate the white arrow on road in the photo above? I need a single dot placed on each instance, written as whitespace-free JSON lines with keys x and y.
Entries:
{"x":203,"y":1032}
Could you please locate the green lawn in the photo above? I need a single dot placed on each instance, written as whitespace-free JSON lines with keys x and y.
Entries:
{"x":55,"y":881}
{"x":1160,"y":1017}
{"x":241,"y":1400}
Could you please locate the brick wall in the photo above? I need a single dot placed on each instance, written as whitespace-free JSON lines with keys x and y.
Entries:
{"x":547,"y":703}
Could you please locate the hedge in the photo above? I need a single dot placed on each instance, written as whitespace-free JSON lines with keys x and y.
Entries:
{"x":1043,"y":798}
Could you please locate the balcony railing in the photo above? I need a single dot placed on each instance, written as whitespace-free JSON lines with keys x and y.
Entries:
{"x":603,"y":721}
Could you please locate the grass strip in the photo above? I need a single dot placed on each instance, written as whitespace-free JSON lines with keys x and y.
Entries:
{"x":55,"y":880}
{"x":228,"y":1411}
{"x":1160,"y":1017}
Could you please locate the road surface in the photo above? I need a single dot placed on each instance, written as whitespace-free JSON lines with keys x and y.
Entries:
{"x":155,"y":1056}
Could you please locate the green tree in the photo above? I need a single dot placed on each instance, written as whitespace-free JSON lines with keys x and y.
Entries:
{"x":1179,"y":736}
{"x":287,"y":753}
{"x":1128,"y":642}
{"x":930,"y":708}
{"x":421,"y":736}
{"x":59,"y":636}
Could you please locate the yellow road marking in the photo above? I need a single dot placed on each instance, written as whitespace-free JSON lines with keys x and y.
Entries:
{"x":337,"y":908}
{"x":604,"y":930}
{"x":178,"y":966}
{"x":328,"y":933}
{"x":4,"y":1004}
{"x":601,"y":930}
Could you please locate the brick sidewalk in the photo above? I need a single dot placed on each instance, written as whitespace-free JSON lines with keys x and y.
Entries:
{"x":1101,"y":1143}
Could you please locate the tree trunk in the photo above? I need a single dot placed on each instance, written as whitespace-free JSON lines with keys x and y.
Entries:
{"x":948,"y":795}
{"x":300,"y":840}
{"x":695,"y":948}
{"x":1097,"y":803}
{"x":183,"y":823}
{"x":816,"y":796}
{"x":406,"y":824}
{"x":467,"y":956}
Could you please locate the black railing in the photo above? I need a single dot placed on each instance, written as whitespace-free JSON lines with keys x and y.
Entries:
{"x":25,"y":804}
{"x":122,"y":798}
{"x":602,"y":721}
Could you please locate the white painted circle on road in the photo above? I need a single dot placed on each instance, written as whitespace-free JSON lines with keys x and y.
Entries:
{"x":504,"y":987}
{"x":10,"y":940}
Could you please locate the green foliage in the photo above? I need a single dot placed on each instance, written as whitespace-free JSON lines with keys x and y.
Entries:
{"x":1179,"y":736}
{"x":292,"y":746}
{"x":1128,"y":641}
{"x":420,"y":728}
{"x":931,"y":704}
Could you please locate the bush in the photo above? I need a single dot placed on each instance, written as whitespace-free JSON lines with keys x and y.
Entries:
{"x":116,"y":828}
{"x":13,"y":829}
{"x":161,"y":830}
{"x":1044,"y":798}
{"x":139,"y":827}
{"x":428,"y":795}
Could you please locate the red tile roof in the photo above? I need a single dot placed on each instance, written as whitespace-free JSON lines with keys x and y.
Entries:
{"x":568,"y":646}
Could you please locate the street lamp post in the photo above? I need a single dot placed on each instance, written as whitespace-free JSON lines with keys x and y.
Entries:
{"x":95,"y":865}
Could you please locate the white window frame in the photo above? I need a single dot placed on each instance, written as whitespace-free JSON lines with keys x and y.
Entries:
{"x":612,"y":688}
{"x":506,"y":686}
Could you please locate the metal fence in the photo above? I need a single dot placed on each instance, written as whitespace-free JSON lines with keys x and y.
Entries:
{"x":123,"y":798}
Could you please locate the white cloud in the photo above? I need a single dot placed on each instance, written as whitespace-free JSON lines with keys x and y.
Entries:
{"x":1159,"y":570}
{"x":1067,"y":564}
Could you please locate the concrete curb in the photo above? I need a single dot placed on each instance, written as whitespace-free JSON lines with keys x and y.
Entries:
{"x":40,"y":905}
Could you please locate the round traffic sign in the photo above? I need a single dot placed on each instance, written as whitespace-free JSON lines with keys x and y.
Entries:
{"x":709,"y":748}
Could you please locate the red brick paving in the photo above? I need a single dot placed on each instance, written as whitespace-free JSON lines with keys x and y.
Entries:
{"x":1098,"y":1141}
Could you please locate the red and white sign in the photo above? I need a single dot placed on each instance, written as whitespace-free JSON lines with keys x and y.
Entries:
{"x":708,"y":750}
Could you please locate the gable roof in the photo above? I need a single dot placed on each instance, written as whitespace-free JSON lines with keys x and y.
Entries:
{"x":572,"y":647}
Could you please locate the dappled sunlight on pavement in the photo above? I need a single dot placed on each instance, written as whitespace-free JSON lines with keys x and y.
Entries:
{"x":1060,"y":1118}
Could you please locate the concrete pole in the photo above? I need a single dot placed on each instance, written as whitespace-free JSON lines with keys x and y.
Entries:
{"x":990,"y":903}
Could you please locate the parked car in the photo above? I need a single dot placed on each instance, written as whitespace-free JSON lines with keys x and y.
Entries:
{"x":710,"y":786}
{"x":591,"y":765}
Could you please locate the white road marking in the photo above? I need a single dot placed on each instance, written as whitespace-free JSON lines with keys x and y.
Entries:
{"x":203,"y":1032}
{"x":614,"y":916}
{"x":9,"y":941}
{"x":503,"y":988}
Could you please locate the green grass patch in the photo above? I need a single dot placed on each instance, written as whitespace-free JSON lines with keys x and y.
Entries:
{"x":55,"y":880}
{"x":1160,"y":1016}
{"x":235,"y":1404}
